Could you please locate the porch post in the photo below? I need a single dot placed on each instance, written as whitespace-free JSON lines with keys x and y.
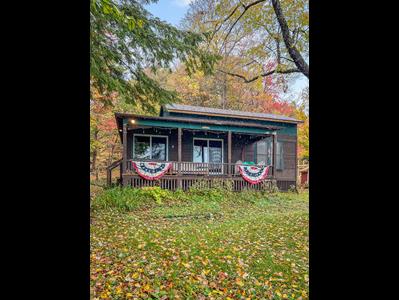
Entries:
{"x":124,"y":141}
{"x":229,"y":152}
{"x":274,"y":153}
{"x":179,"y":134}
{"x":179,"y":157}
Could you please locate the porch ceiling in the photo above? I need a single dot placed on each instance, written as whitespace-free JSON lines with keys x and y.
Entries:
{"x":196,"y":124}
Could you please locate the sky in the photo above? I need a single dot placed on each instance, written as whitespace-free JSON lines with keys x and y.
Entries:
{"x":173,"y":11}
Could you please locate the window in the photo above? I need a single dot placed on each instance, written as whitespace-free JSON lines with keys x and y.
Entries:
{"x":208,"y":151}
{"x":279,"y":156}
{"x":146,"y":147}
{"x":264,"y":151}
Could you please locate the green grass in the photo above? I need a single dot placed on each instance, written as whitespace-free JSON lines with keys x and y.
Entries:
{"x":199,"y":246}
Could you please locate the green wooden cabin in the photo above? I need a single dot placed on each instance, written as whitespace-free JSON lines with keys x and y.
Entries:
{"x":207,"y":143}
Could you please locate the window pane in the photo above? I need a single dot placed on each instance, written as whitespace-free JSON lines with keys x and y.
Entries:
{"x":215,"y":152}
{"x":270,"y":153}
{"x":264,"y":151}
{"x":261,"y":147}
{"x":262,"y":158}
{"x":200,"y":152}
{"x":279,"y":156}
{"x":142,"y":147}
{"x":159,"y":148}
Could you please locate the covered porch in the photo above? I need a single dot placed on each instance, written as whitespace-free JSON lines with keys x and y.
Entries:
{"x":198,"y":150}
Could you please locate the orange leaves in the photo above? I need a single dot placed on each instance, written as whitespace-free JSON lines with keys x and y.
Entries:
{"x":222,"y":276}
{"x":239,"y":281}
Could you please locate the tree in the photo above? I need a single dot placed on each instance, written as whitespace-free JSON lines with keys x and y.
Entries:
{"x":277,"y":32}
{"x":302,"y":113}
{"x":125,"y":39}
{"x":103,"y":134}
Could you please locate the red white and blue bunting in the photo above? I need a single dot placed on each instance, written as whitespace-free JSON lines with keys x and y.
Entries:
{"x":254,"y":174}
{"x":151,"y":170}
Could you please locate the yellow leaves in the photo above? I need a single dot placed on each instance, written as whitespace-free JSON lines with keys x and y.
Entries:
{"x":217,"y":292}
{"x":187,"y":265}
{"x":129,"y":295}
{"x":105,"y":295}
{"x":205,"y":272}
{"x":205,"y":261}
{"x":239,"y":281}
{"x":135,"y":275}
{"x":141,"y":246}
{"x":147,"y":288}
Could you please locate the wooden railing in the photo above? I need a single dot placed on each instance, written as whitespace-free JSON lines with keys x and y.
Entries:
{"x":115,"y":164}
{"x":195,"y":168}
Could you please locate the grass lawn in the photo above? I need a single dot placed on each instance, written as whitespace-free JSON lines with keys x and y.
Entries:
{"x":202,"y":248}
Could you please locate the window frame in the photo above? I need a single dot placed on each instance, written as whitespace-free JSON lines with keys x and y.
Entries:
{"x":151,"y":136}
{"x":209,"y":139}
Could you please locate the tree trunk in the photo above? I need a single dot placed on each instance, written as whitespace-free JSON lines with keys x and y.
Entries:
{"x":292,"y":50}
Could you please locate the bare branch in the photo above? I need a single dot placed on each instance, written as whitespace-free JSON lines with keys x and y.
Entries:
{"x":292,"y":50}
{"x":246,"y":7}
{"x":289,"y":71}
{"x":217,"y":28}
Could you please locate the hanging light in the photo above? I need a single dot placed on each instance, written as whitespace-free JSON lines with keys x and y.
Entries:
{"x":132,"y":121}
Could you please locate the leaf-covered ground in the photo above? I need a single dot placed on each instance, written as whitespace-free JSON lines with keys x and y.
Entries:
{"x":203,"y":249}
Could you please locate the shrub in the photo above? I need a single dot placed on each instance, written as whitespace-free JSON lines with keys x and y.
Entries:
{"x":129,"y":199}
{"x":269,"y":187}
{"x":213,"y":189}
{"x":292,"y":189}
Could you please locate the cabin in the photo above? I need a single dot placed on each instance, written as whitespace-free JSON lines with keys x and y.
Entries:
{"x":185,"y":144}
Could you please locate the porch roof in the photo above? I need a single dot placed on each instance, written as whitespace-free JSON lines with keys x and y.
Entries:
{"x":209,"y":111}
{"x":194,"y":123}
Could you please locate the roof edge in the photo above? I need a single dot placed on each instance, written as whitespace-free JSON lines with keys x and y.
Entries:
{"x":209,"y":121}
{"x":295,"y":121}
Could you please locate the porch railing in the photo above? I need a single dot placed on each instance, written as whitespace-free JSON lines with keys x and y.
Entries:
{"x":204,"y":169}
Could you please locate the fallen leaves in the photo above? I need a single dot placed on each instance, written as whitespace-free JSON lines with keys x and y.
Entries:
{"x":255,"y":251}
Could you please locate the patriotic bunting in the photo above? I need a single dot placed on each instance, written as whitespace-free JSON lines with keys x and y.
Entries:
{"x":151,"y":170}
{"x":253,"y":174}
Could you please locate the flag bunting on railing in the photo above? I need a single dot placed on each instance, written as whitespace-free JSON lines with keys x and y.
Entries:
{"x":151,"y":170}
{"x":253,"y":174}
